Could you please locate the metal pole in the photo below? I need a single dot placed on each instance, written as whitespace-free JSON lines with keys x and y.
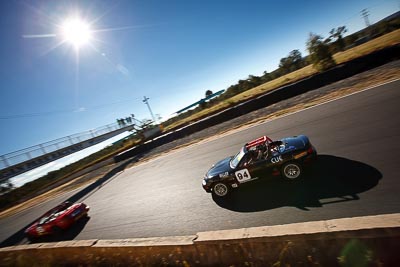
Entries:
{"x":146,"y":101}
{"x":42,"y":148}
{"x":4,"y":159}
{"x":365,"y":14}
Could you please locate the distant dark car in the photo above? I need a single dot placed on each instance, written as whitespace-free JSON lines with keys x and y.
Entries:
{"x":57,"y":219}
{"x":259,"y":158}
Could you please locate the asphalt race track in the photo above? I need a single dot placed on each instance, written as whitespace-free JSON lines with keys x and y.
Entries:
{"x":357,"y":173}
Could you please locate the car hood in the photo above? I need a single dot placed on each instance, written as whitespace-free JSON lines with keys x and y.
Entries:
{"x":221,"y":166}
{"x":33,"y":228}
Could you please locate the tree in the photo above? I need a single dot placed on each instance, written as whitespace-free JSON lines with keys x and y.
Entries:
{"x":208,"y":93}
{"x":266,"y":77}
{"x":337,"y":36}
{"x":254,"y":80}
{"x":296,"y":59}
{"x":292,"y":62}
{"x":244,"y":85}
{"x":232,"y":90}
{"x":320,"y":55}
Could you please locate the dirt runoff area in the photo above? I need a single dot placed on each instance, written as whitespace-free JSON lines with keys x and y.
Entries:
{"x":383,"y":74}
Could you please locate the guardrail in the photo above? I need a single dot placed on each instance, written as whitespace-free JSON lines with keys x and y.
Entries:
{"x":18,"y":162}
{"x":314,"y":82}
{"x":29,"y":153}
{"x":359,"y":241}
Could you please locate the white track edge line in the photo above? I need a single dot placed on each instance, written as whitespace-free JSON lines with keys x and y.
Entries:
{"x":267,"y":121}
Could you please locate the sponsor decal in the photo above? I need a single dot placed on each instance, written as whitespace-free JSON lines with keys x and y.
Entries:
{"x":300,"y":155}
{"x":276,"y":159}
{"x":40,"y":230}
{"x":223,"y":175}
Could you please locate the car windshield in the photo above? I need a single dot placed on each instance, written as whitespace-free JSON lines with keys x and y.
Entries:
{"x":236,"y":159}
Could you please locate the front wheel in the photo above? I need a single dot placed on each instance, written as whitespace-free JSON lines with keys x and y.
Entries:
{"x":220,"y":189}
{"x":292,"y":171}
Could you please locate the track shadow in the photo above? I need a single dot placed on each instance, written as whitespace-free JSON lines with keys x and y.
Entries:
{"x":19,"y":236}
{"x":330,"y":180}
{"x":68,"y":234}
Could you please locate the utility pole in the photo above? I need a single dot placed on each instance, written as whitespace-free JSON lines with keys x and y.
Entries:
{"x":146,"y":101}
{"x":365,"y":14}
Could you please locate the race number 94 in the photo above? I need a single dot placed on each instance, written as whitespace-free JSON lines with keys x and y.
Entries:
{"x":243,"y":175}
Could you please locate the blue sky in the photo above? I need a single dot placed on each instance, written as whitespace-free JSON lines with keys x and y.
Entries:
{"x":170,"y":51}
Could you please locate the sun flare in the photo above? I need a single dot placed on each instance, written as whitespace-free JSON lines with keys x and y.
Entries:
{"x":76,"y":32}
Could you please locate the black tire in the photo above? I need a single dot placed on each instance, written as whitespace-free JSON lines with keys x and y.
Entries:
{"x":220,"y":189}
{"x":292,"y":171}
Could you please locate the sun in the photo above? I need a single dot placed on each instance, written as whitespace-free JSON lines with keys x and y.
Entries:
{"x":76,"y":32}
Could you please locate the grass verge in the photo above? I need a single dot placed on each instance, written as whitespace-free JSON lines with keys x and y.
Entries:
{"x":379,"y":43}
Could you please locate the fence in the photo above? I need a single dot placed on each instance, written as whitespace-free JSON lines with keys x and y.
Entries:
{"x":29,"y":153}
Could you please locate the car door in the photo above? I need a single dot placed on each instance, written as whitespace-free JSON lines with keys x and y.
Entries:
{"x":245,"y":170}
{"x":249,"y":170}
{"x":262,"y":167}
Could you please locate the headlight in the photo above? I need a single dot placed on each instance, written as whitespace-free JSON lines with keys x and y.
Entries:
{"x":204,"y":182}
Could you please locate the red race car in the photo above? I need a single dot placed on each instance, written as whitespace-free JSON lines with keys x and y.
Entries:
{"x":57,"y":219}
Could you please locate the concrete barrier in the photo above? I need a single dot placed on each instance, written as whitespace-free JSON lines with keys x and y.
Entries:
{"x":314,"y":82}
{"x":359,"y":241}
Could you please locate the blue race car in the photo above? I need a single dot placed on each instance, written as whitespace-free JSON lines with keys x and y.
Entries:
{"x":258,"y":158}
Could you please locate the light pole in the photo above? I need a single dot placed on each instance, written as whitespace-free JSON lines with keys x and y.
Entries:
{"x":146,"y":101}
{"x":365,"y":14}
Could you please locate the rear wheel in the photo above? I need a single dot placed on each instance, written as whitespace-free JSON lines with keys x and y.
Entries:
{"x":220,"y":189}
{"x":292,"y":171}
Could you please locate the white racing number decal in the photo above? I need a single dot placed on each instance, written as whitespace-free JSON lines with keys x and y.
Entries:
{"x":276,"y":159}
{"x":243,"y":175}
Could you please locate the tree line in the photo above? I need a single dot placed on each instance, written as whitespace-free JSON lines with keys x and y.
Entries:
{"x":321,"y":51}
